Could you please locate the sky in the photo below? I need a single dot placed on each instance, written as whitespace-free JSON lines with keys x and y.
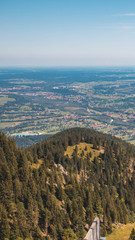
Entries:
{"x":67,"y":33}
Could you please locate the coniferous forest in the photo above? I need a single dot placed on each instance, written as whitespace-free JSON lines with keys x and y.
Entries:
{"x":48,"y":194}
{"x":132,"y":235}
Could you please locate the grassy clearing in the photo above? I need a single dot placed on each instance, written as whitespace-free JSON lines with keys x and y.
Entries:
{"x":87,"y":148}
{"x":36,"y":165}
{"x":122,"y":233}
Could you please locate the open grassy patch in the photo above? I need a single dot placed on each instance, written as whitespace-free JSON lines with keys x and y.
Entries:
{"x":36,"y":165}
{"x":122,"y":233}
{"x":85,"y":148}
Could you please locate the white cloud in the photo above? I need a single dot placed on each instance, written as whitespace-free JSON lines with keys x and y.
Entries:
{"x":126,"y":15}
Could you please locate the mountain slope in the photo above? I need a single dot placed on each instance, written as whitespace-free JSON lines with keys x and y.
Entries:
{"x":53,"y":190}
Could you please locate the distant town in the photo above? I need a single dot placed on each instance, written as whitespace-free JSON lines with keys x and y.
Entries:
{"x":45,"y":103}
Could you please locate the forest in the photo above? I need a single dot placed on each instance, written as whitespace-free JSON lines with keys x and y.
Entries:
{"x":132,"y":235}
{"x":48,"y":193}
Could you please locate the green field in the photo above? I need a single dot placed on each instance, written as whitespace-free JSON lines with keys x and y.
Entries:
{"x":4,"y":99}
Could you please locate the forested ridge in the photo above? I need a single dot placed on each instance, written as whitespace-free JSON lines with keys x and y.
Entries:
{"x":47,"y":194}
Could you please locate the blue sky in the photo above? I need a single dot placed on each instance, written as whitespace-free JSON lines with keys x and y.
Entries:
{"x":67,"y":33}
